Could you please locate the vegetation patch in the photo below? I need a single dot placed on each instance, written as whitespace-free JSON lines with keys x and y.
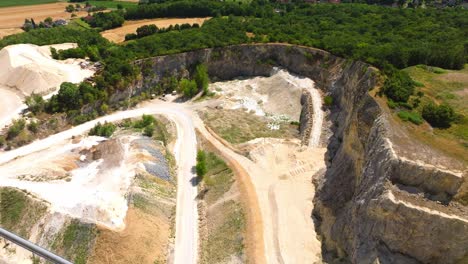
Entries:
{"x":217,"y":177}
{"x":102,"y":130}
{"x":19,"y":211}
{"x":238,"y":126}
{"x":75,"y":241}
{"x":414,"y":118}
{"x":225,"y":237}
{"x":443,"y":96}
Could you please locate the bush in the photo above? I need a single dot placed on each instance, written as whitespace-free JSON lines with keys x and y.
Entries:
{"x":148,"y":131}
{"x":398,"y":86}
{"x":391,"y":104}
{"x":201,"y":78}
{"x":16,"y":128}
{"x":33,"y":127}
{"x":438,"y":115}
{"x":201,"y":164}
{"x":188,"y":87}
{"x":146,"y":30}
{"x":146,"y":120}
{"x":328,"y":100}
{"x":35,"y":103}
{"x":102,"y":130}
{"x":414,"y":118}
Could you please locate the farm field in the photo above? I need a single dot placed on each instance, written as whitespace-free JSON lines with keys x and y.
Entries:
{"x":118,"y":34}
{"x":7,"y":3}
{"x":13,"y":17}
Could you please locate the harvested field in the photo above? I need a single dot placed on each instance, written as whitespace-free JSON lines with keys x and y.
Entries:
{"x":9,"y":31}
{"x":118,"y":34}
{"x":6,"y":3}
{"x":13,"y":17}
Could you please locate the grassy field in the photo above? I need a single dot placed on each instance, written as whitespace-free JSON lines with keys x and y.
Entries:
{"x":444,"y":86}
{"x":7,"y":3}
{"x":224,"y":239}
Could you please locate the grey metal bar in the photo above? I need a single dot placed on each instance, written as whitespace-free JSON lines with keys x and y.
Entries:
{"x":35,"y":249}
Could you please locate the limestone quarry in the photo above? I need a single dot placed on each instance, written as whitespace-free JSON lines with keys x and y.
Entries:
{"x":340,"y":188}
{"x":28,"y":69}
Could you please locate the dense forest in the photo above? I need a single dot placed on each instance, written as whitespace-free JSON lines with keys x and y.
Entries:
{"x":389,"y":38}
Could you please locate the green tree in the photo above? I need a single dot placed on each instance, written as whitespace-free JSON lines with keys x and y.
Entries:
{"x":68,"y":97}
{"x":201,"y":78}
{"x":200,"y":168}
{"x":438,"y":115}
{"x":188,"y":87}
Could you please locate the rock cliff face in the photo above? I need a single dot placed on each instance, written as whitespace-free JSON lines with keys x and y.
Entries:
{"x":372,"y":205}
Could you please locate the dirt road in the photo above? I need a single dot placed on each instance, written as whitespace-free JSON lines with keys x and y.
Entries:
{"x":118,"y":34}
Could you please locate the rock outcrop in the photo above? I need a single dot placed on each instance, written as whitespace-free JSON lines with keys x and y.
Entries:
{"x":373,"y":205}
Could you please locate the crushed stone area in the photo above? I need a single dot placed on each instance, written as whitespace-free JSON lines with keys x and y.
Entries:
{"x":277,"y":96}
{"x":87,"y":180}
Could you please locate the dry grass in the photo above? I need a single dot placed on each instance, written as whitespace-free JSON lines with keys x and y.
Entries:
{"x":237,"y":126}
{"x":144,"y":241}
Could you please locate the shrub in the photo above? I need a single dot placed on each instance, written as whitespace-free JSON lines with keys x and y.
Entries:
{"x":201,"y":78}
{"x":201,"y":164}
{"x":189,"y":88}
{"x":102,"y":130}
{"x":413,"y":117}
{"x":398,"y":86}
{"x":391,"y":104}
{"x":146,"y":120}
{"x":16,"y":128}
{"x":33,"y":127}
{"x":328,"y":100}
{"x":148,"y":131}
{"x":35,"y":103}
{"x":438,"y":115}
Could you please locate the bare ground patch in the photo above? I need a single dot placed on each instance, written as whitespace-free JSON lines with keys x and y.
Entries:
{"x":144,"y":240}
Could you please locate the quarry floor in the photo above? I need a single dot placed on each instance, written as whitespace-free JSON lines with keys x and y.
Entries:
{"x":276,"y":178}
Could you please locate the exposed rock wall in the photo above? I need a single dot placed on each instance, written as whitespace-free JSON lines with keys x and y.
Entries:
{"x":362,"y":206}
{"x":306,"y":119}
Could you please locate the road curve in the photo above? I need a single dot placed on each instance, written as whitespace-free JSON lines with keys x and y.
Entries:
{"x":186,"y":241}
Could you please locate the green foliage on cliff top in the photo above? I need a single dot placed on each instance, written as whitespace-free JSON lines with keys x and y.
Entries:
{"x":444,"y":87}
